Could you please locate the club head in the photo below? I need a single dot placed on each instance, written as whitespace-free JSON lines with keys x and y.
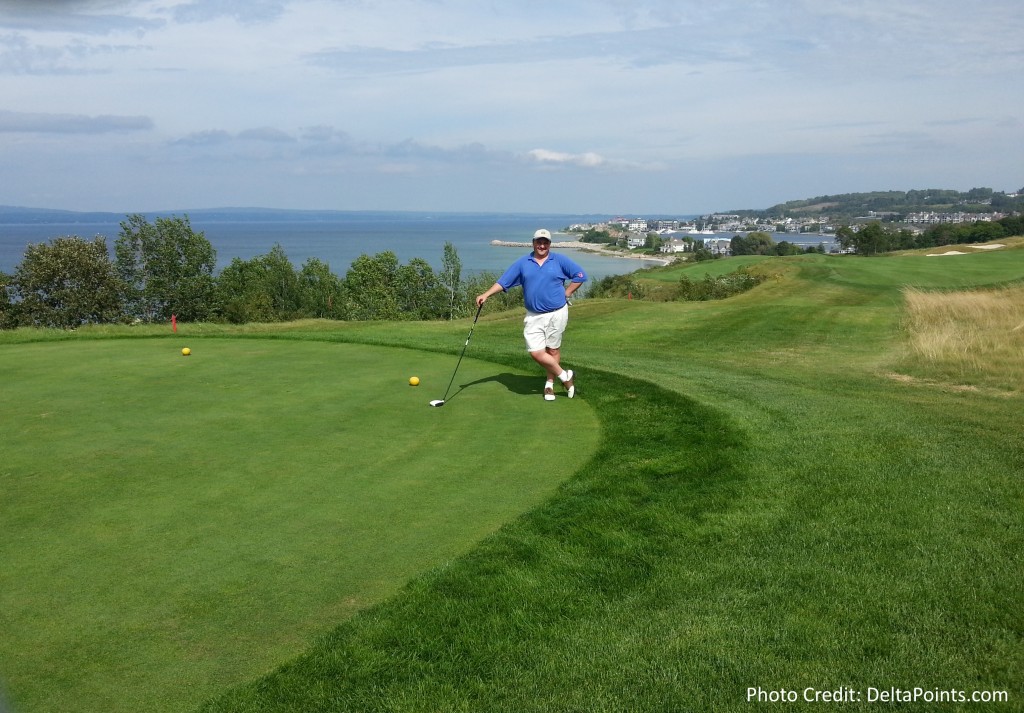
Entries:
{"x":437,"y":402}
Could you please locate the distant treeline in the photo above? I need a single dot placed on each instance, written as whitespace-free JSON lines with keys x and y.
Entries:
{"x":165,"y":268}
{"x":901,"y":203}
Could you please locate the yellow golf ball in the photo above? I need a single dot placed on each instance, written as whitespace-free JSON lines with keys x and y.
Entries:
{"x":414,"y":381}
{"x":186,"y":351}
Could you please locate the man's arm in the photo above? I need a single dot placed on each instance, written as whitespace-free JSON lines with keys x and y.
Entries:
{"x":492,"y":290}
{"x":576,"y":274}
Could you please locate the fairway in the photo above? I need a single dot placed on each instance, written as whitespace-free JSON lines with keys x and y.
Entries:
{"x":174,"y":525}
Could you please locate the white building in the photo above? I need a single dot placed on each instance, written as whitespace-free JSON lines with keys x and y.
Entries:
{"x":675,"y":245}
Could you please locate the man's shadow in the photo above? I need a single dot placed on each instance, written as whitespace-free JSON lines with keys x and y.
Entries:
{"x":516,"y":383}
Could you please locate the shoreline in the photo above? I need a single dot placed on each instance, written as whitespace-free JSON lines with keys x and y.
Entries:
{"x":590,"y":247}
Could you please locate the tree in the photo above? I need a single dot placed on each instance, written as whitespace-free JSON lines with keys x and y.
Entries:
{"x":1013,"y":225}
{"x":66,"y":283}
{"x":240,"y":293}
{"x":593,"y":235}
{"x":378,"y":287}
{"x":370,"y":290}
{"x":168,"y":268}
{"x":7,"y":319}
{"x":320,"y":290}
{"x":845,"y":236}
{"x":979,"y":195}
{"x":280,"y":282}
{"x":267,"y":288}
{"x":420,"y":294}
{"x":984,"y":231}
{"x":701,"y":253}
{"x":451,"y":282}
{"x":871,"y":239}
{"x":756,"y":243}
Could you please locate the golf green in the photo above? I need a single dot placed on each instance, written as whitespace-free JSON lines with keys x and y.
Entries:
{"x":172,"y":525}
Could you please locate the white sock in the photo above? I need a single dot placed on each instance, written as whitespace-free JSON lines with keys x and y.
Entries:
{"x":549,"y":384}
{"x":563,"y":376}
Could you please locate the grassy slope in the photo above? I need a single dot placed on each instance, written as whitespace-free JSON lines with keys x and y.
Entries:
{"x":768,"y":509}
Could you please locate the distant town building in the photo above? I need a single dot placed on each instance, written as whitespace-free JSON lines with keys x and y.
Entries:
{"x":719,"y":246}
{"x":933,"y":218}
{"x":676,"y":245}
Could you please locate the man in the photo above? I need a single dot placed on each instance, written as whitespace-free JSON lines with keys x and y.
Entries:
{"x":542,"y":275}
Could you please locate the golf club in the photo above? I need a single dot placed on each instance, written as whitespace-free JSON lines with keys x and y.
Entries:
{"x":440,"y":402}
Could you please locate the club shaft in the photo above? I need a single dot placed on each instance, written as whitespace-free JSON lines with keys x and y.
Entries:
{"x":470,"y":336}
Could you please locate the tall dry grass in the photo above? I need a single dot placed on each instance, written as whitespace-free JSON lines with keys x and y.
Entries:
{"x":975,"y":337}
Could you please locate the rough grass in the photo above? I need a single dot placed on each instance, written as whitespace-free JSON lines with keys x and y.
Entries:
{"x":973,"y":337}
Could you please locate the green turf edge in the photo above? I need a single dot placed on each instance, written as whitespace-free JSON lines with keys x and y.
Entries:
{"x":500,"y":618}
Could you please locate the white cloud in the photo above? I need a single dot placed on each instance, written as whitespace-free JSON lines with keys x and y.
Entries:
{"x":586,"y":160}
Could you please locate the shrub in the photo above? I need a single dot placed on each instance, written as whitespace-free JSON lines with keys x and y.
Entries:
{"x":717,"y":288}
{"x":623,"y":286}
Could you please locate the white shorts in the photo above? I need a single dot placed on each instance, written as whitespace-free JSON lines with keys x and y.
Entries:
{"x":544,"y":331}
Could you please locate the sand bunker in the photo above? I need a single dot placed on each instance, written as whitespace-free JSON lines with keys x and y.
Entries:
{"x":976,"y":247}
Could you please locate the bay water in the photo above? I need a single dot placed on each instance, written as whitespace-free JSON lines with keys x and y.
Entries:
{"x":336,"y":238}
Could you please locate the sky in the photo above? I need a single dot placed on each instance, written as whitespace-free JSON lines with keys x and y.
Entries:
{"x":633,"y":107}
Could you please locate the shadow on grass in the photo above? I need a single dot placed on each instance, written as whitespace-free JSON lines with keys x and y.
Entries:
{"x":516,"y":383}
{"x":542,"y":615}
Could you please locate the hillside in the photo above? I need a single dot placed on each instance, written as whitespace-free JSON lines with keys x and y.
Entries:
{"x":851,"y":205}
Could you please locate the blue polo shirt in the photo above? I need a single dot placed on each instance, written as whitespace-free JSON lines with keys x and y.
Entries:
{"x":543,"y":285}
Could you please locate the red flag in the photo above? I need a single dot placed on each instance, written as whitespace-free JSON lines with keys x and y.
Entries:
{"x":174,"y":323}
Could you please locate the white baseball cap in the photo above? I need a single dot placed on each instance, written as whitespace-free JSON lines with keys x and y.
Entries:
{"x":542,"y":234}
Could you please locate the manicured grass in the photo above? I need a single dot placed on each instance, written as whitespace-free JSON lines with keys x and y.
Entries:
{"x":170,"y":526}
{"x":768,"y":507}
